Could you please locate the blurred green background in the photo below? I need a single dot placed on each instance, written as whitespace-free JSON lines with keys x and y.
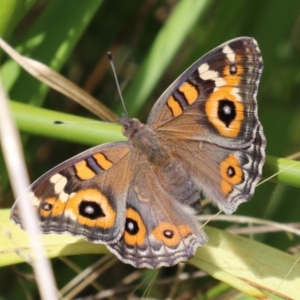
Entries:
{"x":152,"y":43}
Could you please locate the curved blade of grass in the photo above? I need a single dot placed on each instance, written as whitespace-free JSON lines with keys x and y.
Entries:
{"x":58,"y":82}
{"x":288,"y":170}
{"x":252,"y":262}
{"x":39,"y":121}
{"x":165,"y":46}
{"x":240,"y":262}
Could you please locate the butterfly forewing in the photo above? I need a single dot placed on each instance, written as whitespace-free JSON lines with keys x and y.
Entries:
{"x":215,"y":99}
{"x":85,"y":196}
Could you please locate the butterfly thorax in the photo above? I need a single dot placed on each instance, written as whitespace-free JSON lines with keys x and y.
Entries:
{"x":144,"y":139}
{"x":171,"y":175}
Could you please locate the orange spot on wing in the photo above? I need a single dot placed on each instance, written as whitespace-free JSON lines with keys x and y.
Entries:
{"x":139,"y":237}
{"x":226,"y":188}
{"x":234,"y":79}
{"x":227,"y":91}
{"x":228,"y":181}
{"x":83,"y":171}
{"x":57,"y":207}
{"x":190,"y":92}
{"x":102,"y":161}
{"x":93,"y":195}
{"x":174,"y":106}
{"x":178,"y":232}
{"x":211,"y":109}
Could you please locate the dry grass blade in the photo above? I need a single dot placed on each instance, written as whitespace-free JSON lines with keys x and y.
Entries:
{"x":89,"y":279}
{"x":12,"y":153}
{"x":250,"y":220}
{"x":60,"y":83}
{"x":83,"y":273}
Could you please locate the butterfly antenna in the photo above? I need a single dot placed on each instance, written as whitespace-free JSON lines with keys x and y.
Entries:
{"x":116,"y":79}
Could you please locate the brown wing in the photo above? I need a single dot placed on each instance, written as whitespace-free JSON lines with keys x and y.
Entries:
{"x":226,"y":176}
{"x":160,"y":227}
{"x":84,"y":196}
{"x":215,"y":99}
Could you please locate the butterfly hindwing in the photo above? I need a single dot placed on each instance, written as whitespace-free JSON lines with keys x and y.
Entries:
{"x":226,"y":176}
{"x":160,"y":227}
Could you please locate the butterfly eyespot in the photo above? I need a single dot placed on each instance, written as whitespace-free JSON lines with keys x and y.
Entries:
{"x":168,"y":234}
{"x":226,"y":111}
{"x":231,"y":171}
{"x":131,"y":226}
{"x":91,"y":210}
{"x":135,"y":230}
{"x":46,"y":206}
{"x":233,"y":69}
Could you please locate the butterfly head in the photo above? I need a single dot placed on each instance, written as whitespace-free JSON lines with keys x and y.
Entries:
{"x":130,"y":126}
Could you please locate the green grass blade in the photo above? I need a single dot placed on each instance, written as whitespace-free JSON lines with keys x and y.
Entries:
{"x":288,"y":170}
{"x":166,"y":45}
{"x":10,"y":14}
{"x":49,"y":42}
{"x":40,"y":122}
{"x":243,"y":258}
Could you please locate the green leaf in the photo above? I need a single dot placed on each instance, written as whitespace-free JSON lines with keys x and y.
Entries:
{"x":166,"y":44}
{"x":240,"y":262}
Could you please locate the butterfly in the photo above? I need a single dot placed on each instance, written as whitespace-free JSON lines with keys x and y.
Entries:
{"x":139,"y":197}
